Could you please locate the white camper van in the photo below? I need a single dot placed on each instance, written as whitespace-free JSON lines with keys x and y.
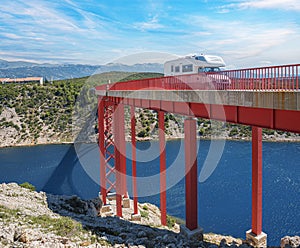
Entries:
{"x":193,"y":64}
{"x":206,"y":65}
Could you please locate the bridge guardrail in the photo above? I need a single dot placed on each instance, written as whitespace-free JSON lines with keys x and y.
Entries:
{"x":284,"y":77}
{"x":273,"y":78}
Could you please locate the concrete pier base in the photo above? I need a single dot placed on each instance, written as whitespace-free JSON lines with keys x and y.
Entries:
{"x":136,"y":217}
{"x":106,"y":210}
{"x":256,"y":240}
{"x":196,"y":234}
{"x":126,"y":203}
{"x":111,"y":196}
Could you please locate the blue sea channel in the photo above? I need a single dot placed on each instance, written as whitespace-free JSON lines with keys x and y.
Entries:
{"x":224,"y":187}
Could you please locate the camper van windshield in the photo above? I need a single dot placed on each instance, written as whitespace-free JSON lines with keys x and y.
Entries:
{"x":209,"y":69}
{"x":201,"y":58}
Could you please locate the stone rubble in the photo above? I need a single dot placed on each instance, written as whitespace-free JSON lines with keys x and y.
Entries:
{"x":98,"y":230}
{"x":290,"y":242}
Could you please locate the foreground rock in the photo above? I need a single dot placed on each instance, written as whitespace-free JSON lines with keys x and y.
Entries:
{"x":290,"y":242}
{"x":37,"y":219}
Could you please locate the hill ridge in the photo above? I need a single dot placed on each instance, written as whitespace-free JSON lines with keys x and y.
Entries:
{"x":65,"y":71}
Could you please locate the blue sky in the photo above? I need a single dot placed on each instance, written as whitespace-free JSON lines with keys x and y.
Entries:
{"x":246,"y":33}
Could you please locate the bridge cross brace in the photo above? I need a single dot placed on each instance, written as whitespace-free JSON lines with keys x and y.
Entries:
{"x":111,"y":129}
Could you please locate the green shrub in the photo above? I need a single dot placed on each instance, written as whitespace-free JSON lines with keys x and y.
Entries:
{"x":27,"y":185}
{"x":63,"y":226}
{"x":170,"y":221}
{"x":142,"y":134}
{"x":268,"y":131}
{"x":201,"y":131}
{"x":233,"y":131}
{"x":144,"y":214}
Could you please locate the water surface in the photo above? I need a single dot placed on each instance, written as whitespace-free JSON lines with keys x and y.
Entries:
{"x":224,"y":198}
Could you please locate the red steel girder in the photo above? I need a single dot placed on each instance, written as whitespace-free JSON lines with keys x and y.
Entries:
{"x":191,"y":183}
{"x":101,"y":144}
{"x":256,"y":180}
{"x":120,"y":155}
{"x":162,"y":161}
{"x":286,"y":120}
{"x":133,"y":143}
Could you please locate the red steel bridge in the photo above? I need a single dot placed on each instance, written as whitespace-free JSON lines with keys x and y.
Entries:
{"x":267,"y":97}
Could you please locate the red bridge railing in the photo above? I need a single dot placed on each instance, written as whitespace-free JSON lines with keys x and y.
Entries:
{"x":274,"y":78}
{"x":284,"y":77}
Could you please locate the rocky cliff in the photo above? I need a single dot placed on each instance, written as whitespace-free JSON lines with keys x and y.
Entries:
{"x":36,"y":219}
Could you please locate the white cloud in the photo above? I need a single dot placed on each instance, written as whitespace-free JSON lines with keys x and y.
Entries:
{"x":11,"y":36}
{"x":151,"y":24}
{"x":39,"y":13}
{"x":204,"y":33}
{"x":88,"y":31}
{"x":54,"y":30}
{"x":265,"y":62}
{"x":145,"y":57}
{"x":239,"y":41}
{"x":265,"y":4}
{"x":46,"y":18}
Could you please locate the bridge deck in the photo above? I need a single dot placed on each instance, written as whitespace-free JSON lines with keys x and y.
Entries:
{"x":268,"y":109}
{"x":265,"y":97}
{"x":283,"y":100}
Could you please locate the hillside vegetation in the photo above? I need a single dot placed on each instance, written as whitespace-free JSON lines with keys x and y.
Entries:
{"x":33,"y":114}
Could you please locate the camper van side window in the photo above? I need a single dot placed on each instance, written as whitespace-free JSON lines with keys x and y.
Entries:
{"x":172,"y":68}
{"x":187,"y":68}
{"x":177,"y":69}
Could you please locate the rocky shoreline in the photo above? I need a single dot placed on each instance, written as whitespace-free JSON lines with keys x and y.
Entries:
{"x":5,"y":144}
{"x":36,"y":219}
{"x":13,"y":131}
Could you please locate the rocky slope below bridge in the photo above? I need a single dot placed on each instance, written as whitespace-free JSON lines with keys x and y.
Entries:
{"x":37,"y":219}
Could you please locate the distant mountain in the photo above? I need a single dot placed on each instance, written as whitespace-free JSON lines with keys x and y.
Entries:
{"x":14,"y":64}
{"x":65,"y":71}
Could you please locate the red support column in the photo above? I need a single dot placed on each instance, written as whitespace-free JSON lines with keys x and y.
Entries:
{"x":101,"y":140}
{"x":120,"y":155}
{"x":133,"y":142}
{"x":191,"y":183}
{"x":256,"y":180}
{"x":255,"y":236}
{"x":162,"y":160}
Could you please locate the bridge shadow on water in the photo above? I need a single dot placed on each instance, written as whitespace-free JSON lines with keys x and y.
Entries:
{"x":61,"y":182}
